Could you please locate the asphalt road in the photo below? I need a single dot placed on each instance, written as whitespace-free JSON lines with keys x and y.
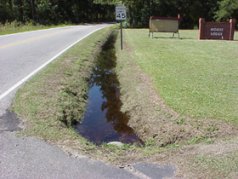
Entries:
{"x":21,"y":56}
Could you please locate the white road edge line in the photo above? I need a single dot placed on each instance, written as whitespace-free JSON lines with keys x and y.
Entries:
{"x":44,"y":65}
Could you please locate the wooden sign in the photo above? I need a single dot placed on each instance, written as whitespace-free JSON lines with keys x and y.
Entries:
{"x":164,"y":24}
{"x":217,"y":30}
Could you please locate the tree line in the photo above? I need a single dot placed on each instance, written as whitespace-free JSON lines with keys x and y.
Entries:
{"x":189,"y":10}
{"x":54,"y":11}
{"x":139,"y":11}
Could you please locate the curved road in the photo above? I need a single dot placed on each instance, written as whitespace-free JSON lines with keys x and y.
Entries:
{"x":21,"y":56}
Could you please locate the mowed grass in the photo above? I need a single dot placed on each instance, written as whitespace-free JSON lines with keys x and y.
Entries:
{"x":61,"y":89}
{"x":197,"y":78}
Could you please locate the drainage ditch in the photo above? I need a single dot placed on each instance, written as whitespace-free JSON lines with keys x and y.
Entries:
{"x":103,"y":120}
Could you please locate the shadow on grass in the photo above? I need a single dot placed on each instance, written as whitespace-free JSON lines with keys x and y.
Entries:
{"x":180,"y":38}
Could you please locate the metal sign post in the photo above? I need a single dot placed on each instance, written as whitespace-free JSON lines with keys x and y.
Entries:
{"x":121,"y":16}
{"x":121,"y":36}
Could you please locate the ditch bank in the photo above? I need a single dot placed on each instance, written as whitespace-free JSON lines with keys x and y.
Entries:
{"x":55,"y":99}
{"x":150,"y":117}
{"x":51,"y":102}
{"x":126,"y":97}
{"x":103,"y":121}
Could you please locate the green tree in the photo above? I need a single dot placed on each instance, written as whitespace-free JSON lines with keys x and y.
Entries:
{"x":5,"y":12}
{"x":227,"y":9}
{"x":139,"y":11}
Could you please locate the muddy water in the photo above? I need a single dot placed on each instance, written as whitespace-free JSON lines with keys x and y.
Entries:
{"x":103,"y":121}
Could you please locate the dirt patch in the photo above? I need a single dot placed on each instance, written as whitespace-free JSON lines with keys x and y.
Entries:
{"x":152,"y":119}
{"x":218,"y":160}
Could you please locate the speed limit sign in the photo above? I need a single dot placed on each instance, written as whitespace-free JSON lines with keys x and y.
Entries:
{"x":120,"y":13}
{"x":120,"y":16}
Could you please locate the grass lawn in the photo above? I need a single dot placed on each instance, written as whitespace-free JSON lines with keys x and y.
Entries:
{"x":189,"y":92}
{"x":11,"y":28}
{"x":59,"y":93}
{"x":195,"y":78}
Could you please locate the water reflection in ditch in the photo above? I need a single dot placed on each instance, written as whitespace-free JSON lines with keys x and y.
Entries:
{"x":103,"y":121}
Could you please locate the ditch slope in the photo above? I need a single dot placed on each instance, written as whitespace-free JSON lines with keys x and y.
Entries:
{"x":53,"y":101}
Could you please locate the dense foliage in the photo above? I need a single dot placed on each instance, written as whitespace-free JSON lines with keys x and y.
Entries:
{"x":190,"y":10}
{"x":75,"y":11}
{"x":55,"y":11}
